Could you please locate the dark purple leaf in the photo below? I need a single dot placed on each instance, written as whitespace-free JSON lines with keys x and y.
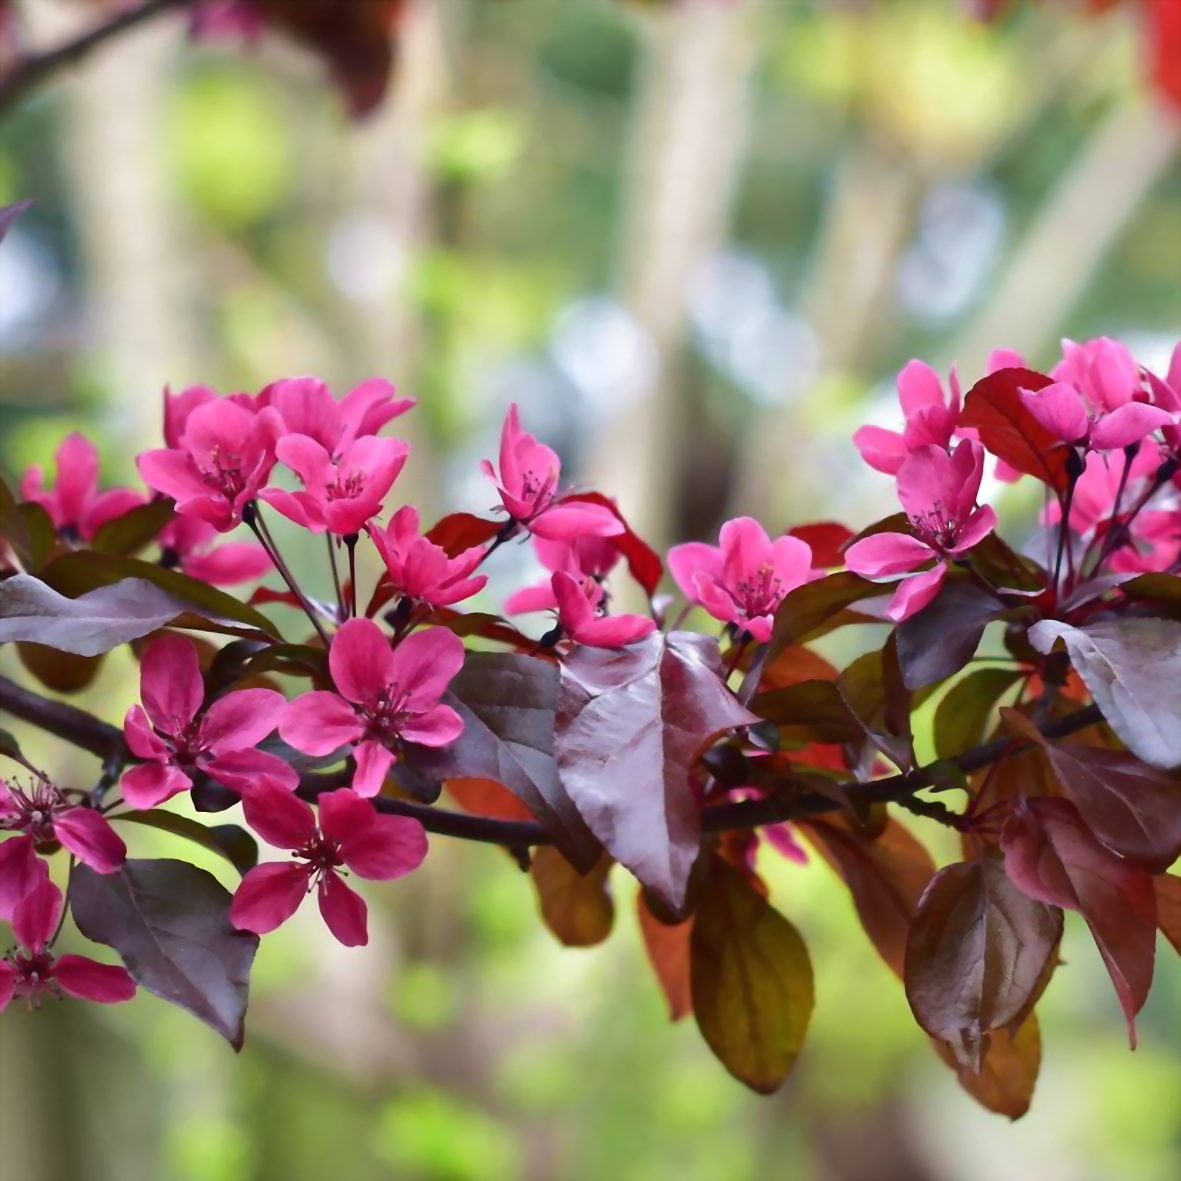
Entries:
{"x":134,"y":529}
{"x":235,"y":844}
{"x":978,"y":956}
{"x":631,"y":722}
{"x":945,"y":634}
{"x":806,"y":611}
{"x":170,"y":923}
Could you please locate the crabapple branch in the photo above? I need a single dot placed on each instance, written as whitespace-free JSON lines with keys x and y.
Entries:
{"x":81,"y":729}
{"x":34,"y":71}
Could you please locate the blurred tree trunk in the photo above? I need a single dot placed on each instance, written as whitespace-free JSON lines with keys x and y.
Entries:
{"x":687,"y":141}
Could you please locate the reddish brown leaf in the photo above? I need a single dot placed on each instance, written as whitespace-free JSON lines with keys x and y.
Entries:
{"x":1054,"y":857}
{"x":486,"y":797}
{"x":886,"y":877}
{"x":1168,"y":907}
{"x":667,"y":946}
{"x":796,"y":664}
{"x":461,"y":531}
{"x":827,"y":540}
{"x":809,"y":610}
{"x":751,"y":981}
{"x":631,"y":723}
{"x":63,"y":672}
{"x":1006,"y":1082}
{"x":977,"y":956}
{"x":576,"y":907}
{"x":1008,"y":430}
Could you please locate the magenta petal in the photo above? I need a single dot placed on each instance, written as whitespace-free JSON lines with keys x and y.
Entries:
{"x":391,"y":847}
{"x":1060,"y":409}
{"x":344,"y":911}
{"x":292,"y":507}
{"x":1000,"y":359}
{"x":90,"y":837}
{"x":319,"y":722}
{"x":614,"y":631}
{"x":21,"y":870}
{"x":424,"y":664}
{"x":977,"y":527}
{"x":435,"y":727}
{"x":279,"y":817}
{"x":343,"y":813}
{"x":141,"y":738}
{"x":531,"y":598}
{"x":172,"y":473}
{"x":686,"y":561}
{"x":225,"y":565}
{"x":7,"y":984}
{"x":884,"y":555}
{"x":361,"y":661}
{"x":883,"y":450}
{"x":150,"y":784}
{"x":914,"y":593}
{"x":241,"y":719}
{"x":170,"y":683}
{"x":1127,"y":425}
{"x":373,"y":763}
{"x":89,"y":980}
{"x":572,"y":519}
{"x":918,"y":387}
{"x":268,"y":896}
{"x":244,"y":770}
{"x":37,"y":914}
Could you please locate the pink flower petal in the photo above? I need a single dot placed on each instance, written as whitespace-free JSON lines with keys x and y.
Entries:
{"x":883,"y":450}
{"x":89,"y":836}
{"x":1127,"y":425}
{"x":688,"y":560}
{"x":21,"y":870}
{"x":344,"y":911}
{"x":268,"y":896}
{"x":390,"y":848}
{"x":37,"y":914}
{"x":243,"y":770}
{"x":319,"y":722}
{"x":883,"y":555}
{"x":279,"y":817}
{"x":424,"y":664}
{"x":108,"y":506}
{"x":572,"y":518}
{"x":373,"y":763}
{"x":241,"y":719}
{"x":919,"y":386}
{"x":613,"y":631}
{"x":151,"y":784}
{"x":142,"y":740}
{"x":294,"y":507}
{"x":1000,"y":359}
{"x":77,"y":476}
{"x":977,"y":527}
{"x":1060,"y":409}
{"x":170,"y":683}
{"x":174,"y":474}
{"x":361,"y":661}
{"x":914,"y":593}
{"x":226,"y":565}
{"x":531,"y":598}
{"x":307,"y":407}
{"x":438,"y":726}
{"x":86,"y":979}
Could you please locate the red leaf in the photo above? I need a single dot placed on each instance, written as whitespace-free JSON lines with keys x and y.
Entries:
{"x":265,"y":594}
{"x":486,"y":797}
{"x":1007,"y":1079}
{"x":642,"y":560}
{"x":1168,"y":907}
{"x":576,"y":907}
{"x":1164,"y":18}
{"x":751,"y":981}
{"x":886,"y":877}
{"x":1008,"y":429}
{"x":667,"y":946}
{"x":796,"y":664}
{"x":978,"y":956}
{"x":631,"y":722}
{"x":461,"y":531}
{"x":827,"y":540}
{"x":1052,"y":855}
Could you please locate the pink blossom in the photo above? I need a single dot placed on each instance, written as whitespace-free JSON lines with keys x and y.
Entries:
{"x":743,"y":580}
{"x":42,"y":814}
{"x":340,"y":496}
{"x":583,"y":558}
{"x":384,"y":696}
{"x":177,"y":738}
{"x":224,"y":458}
{"x":1063,"y":411}
{"x":579,"y":603}
{"x":1167,"y":395}
{"x":188,"y":542}
{"x":307,"y":407}
{"x":31,"y":971}
{"x":938,"y":492}
{"x":1102,"y":370}
{"x":350,"y":833}
{"x":75,"y":505}
{"x":931,"y":416}
{"x":528,"y":485}
{"x":422,"y":570}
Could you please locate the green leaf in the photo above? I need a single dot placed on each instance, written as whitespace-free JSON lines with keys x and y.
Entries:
{"x":751,"y":981}
{"x":962,"y":717}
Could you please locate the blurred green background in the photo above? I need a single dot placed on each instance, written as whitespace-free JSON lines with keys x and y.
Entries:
{"x":695,"y":242}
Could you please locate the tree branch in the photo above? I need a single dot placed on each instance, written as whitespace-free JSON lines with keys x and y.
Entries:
{"x":33,"y":71}
{"x":80,"y":729}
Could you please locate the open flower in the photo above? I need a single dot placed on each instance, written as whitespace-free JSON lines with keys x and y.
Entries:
{"x":1102,"y":370}
{"x":224,"y":458}
{"x":307,"y":407}
{"x":74,"y":504}
{"x":743,"y":580}
{"x":583,"y":558}
{"x":579,"y":601}
{"x":384,"y":695}
{"x":938,"y":492}
{"x":930,"y":414}
{"x":188,"y":542}
{"x":42,"y":814}
{"x":177,"y":738}
{"x":339,"y":495}
{"x":350,"y":834}
{"x":31,"y":971}
{"x":1063,"y":411}
{"x":528,"y":485}
{"x":422,"y":570}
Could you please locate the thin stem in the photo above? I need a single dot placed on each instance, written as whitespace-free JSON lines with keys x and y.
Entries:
{"x":61,"y":922}
{"x":256,"y":523}
{"x":350,"y":542}
{"x":335,"y":576}
{"x":33,"y":71}
{"x":1063,"y":532}
{"x":1119,"y":532}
